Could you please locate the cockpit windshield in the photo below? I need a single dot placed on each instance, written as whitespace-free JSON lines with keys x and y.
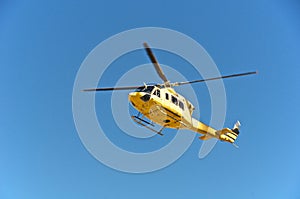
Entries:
{"x":147,"y":89}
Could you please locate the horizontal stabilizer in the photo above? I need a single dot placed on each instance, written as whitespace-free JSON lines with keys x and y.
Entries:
{"x":205,"y":137}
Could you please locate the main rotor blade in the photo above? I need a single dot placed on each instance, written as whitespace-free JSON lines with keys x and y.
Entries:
{"x":155,"y":63}
{"x":213,"y":78}
{"x":113,"y":88}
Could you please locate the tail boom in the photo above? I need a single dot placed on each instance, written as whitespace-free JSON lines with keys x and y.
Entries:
{"x":226,"y":134}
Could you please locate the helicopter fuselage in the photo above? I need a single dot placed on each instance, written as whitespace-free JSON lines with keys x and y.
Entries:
{"x":163,"y":106}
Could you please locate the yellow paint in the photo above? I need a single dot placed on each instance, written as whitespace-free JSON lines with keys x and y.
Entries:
{"x":164,"y":112}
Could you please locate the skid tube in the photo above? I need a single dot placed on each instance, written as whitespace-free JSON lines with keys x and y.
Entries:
{"x":146,"y":124}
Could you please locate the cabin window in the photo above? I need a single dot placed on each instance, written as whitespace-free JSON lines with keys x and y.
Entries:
{"x":174,"y":100}
{"x":181,"y":105}
{"x":157,"y":92}
{"x":167,"y":96}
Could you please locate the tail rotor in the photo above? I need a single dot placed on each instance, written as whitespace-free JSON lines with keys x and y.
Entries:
{"x":230,"y":135}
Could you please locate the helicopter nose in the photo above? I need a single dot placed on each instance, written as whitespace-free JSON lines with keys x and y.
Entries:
{"x":131,"y":95}
{"x":138,"y":97}
{"x":133,"y":98}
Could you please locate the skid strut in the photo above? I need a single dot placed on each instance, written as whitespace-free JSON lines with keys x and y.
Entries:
{"x":146,"y":124}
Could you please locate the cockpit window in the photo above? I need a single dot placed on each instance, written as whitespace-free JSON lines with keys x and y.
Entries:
{"x":148,"y":89}
{"x":157,"y":92}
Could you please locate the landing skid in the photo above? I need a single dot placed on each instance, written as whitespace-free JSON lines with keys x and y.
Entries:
{"x":146,"y":124}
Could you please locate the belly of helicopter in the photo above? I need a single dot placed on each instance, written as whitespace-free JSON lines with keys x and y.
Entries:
{"x":156,"y":111}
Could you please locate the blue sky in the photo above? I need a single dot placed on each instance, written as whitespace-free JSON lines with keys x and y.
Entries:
{"x":42,"y":45}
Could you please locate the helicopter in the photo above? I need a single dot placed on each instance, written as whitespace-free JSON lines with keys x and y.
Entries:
{"x":161,"y":104}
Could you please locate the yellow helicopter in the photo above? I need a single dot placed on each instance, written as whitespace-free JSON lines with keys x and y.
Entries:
{"x":162,"y":105}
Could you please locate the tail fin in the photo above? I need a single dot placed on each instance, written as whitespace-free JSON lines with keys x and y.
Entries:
{"x":230,"y":135}
{"x":236,"y":127}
